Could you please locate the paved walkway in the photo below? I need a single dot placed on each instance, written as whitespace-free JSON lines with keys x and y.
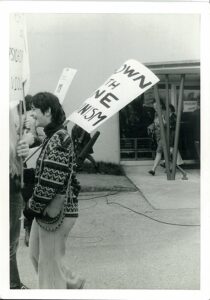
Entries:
{"x":175,"y":197}
{"x":143,"y":237}
{"x":163,"y":193}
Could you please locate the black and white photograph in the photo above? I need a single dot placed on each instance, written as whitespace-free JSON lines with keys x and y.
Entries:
{"x":105,"y":116}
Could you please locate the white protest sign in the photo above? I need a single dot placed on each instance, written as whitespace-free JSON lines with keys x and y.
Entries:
{"x":64,"y":83}
{"x":129,"y":81}
{"x":18,"y":58}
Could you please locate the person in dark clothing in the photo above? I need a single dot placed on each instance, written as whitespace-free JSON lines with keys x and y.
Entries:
{"x":34,"y":140}
{"x":17,"y":149}
{"x":155,"y":128}
{"x":172,"y":129}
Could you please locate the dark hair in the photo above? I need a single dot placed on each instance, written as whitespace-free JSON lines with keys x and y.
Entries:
{"x":28,"y":103}
{"x":44,"y":101}
{"x":171,"y":108}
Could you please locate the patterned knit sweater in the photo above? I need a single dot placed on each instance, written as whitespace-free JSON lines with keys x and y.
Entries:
{"x":55,"y":174}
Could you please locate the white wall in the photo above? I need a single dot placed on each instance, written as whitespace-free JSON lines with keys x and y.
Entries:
{"x":97,"y":44}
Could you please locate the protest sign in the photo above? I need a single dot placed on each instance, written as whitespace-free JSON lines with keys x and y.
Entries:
{"x":18,"y":59}
{"x":64,"y":83}
{"x":124,"y":85}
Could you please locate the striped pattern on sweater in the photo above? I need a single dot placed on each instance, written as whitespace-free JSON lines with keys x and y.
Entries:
{"x":55,"y":174}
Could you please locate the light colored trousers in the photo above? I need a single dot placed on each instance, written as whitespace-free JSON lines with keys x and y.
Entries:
{"x":47,"y":250}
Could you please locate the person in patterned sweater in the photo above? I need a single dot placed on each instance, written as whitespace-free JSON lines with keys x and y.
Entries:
{"x":54,"y":204}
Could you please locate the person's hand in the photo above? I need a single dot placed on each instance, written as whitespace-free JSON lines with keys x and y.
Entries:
{"x":22,"y":149}
{"x":51,"y":211}
{"x":28,"y":137}
{"x":27,"y":124}
{"x":54,"y":208}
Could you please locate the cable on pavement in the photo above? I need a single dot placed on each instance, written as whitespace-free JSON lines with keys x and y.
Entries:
{"x":153,"y":219}
{"x":139,"y":213}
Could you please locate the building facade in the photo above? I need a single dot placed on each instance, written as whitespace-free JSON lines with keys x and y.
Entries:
{"x":96,"y":45}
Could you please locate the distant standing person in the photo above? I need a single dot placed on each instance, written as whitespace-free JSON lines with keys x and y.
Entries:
{"x":172,"y":129}
{"x":80,"y":139}
{"x":155,"y":127}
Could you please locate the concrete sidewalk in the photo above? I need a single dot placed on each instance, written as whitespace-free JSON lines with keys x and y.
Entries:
{"x":163,"y":193}
{"x":172,"y":200}
{"x":160,"y":192}
{"x":134,"y":232}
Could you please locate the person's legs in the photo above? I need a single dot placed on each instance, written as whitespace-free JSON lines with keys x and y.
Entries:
{"x":27,"y":226}
{"x":52,"y":274}
{"x":15,"y":224}
{"x":179,"y":160}
{"x":34,"y":245}
{"x":157,"y":161}
{"x":158,"y":157}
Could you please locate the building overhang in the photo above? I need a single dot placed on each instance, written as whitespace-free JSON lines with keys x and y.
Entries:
{"x":174,"y":70}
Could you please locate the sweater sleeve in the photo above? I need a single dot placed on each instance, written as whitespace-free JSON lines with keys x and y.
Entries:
{"x":55,"y":169}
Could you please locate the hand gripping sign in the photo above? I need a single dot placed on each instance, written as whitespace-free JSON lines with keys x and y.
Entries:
{"x":129,"y":81}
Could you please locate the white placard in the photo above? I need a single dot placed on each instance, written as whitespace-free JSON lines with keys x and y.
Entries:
{"x":124,"y":85}
{"x":18,"y":58}
{"x":64,"y":83}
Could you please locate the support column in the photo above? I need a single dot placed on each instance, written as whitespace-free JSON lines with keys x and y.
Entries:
{"x":167,"y":113}
{"x":173,"y":96}
{"x":179,"y":113}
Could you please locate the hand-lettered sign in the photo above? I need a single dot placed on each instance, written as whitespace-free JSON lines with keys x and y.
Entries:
{"x":64,"y":83}
{"x":18,"y":58}
{"x":129,"y":81}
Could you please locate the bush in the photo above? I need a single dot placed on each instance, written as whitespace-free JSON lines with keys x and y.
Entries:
{"x":103,"y":168}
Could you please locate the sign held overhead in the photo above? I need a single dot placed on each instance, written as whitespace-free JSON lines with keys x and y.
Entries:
{"x":64,"y":83}
{"x":124,"y":85}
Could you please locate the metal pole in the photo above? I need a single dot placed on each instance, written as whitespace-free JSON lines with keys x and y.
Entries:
{"x":179,"y":112}
{"x":22,"y":120}
{"x":167,"y":115}
{"x":162,"y":132}
{"x":24,"y":102}
{"x":20,"y":137}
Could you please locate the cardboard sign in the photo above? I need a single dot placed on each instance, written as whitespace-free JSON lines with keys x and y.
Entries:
{"x":129,"y":81}
{"x":64,"y":83}
{"x":18,"y":58}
